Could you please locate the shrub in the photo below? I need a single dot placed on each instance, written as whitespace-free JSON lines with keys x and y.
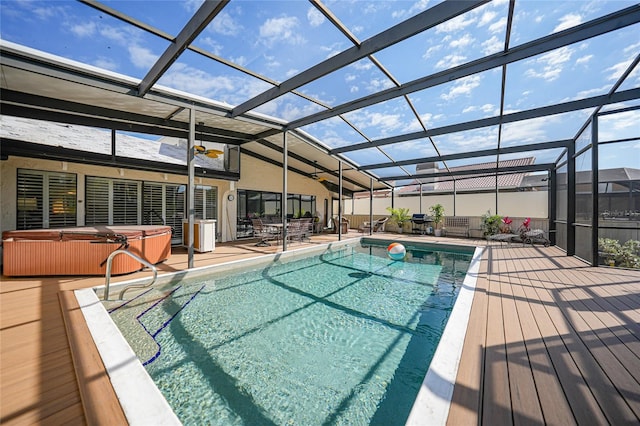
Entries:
{"x":490,"y":223}
{"x":625,"y":255}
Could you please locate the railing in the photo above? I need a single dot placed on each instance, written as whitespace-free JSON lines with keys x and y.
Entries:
{"x":136,"y":257}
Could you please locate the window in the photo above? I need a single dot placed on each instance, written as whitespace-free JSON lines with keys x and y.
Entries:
{"x":46,"y":199}
{"x":267,"y":205}
{"x":164,"y":205}
{"x":113,"y":201}
{"x":206,"y":202}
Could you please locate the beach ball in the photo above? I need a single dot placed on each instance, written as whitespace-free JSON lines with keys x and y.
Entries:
{"x":396,"y":251}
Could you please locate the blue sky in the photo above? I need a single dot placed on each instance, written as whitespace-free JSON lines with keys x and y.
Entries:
{"x":278,"y":39}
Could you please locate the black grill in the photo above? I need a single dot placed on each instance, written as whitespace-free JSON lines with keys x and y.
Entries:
{"x":419,"y":220}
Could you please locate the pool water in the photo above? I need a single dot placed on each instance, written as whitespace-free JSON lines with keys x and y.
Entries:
{"x":341,"y":338}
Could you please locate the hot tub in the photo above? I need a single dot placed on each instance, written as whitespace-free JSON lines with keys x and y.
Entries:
{"x":82,"y":250}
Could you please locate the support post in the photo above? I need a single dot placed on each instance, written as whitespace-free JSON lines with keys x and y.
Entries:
{"x":340,"y":200}
{"x":370,"y":206}
{"x":571,"y":199}
{"x":594,"y":191}
{"x":283,"y":213}
{"x":191,"y":184}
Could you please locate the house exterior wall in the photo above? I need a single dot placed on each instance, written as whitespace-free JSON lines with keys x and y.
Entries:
{"x":255,"y":175}
{"x":9,"y":173}
{"x":260,"y":176}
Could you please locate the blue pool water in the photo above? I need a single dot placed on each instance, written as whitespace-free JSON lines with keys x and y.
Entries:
{"x":341,"y":338}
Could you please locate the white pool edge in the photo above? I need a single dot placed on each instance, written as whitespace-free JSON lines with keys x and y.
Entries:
{"x":140,"y":398}
{"x":434,"y":397}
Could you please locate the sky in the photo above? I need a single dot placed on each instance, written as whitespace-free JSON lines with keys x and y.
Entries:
{"x":278,"y":39}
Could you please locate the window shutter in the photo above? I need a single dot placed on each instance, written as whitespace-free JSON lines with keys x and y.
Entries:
{"x":152,"y":212}
{"x":175,"y":208}
{"x":45,"y":199}
{"x":30,"y":200}
{"x":97,"y":201}
{"x":126,"y":202}
{"x":62,"y":199}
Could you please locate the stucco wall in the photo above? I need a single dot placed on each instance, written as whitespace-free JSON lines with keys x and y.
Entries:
{"x":8,"y":186}
{"x":256,"y":175}
{"x":260,"y":176}
{"x":524,"y":204}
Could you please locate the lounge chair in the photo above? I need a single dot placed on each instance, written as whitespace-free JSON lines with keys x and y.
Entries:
{"x":345,"y":225}
{"x":378,"y":225}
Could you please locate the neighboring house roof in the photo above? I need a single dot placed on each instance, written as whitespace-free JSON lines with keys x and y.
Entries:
{"x":472,"y":182}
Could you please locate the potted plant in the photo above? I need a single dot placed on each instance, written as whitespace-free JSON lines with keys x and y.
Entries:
{"x":491,"y":223}
{"x":437,"y":213}
{"x":399,"y":216}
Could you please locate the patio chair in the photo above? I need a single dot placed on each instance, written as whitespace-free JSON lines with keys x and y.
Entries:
{"x":378,"y":225}
{"x":266,"y":233}
{"x":299,"y":229}
{"x":345,"y":225}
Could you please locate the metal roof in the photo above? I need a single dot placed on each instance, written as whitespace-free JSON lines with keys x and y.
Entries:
{"x":326,"y":121}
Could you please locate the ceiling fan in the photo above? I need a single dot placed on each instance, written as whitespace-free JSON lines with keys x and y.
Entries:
{"x":202,"y":150}
{"x":315,"y":176}
{"x":211,"y":153}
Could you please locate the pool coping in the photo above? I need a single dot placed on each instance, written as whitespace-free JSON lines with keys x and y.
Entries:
{"x":143,"y":403}
{"x":434,"y":397}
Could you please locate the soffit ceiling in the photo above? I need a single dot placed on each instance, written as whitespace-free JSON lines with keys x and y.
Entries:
{"x":372,"y":88}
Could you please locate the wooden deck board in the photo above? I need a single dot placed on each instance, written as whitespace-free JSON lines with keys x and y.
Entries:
{"x":550,"y":340}
{"x":467,"y":394}
{"x":496,"y":407}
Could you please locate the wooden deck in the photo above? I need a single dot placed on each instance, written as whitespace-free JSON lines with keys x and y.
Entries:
{"x":550,"y":341}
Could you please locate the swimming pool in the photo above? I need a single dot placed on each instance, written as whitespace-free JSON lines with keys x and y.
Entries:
{"x":246,"y":362}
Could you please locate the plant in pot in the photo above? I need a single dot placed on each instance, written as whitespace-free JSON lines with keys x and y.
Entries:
{"x":399,"y":216}
{"x":437,"y":213}
{"x":491,"y":223}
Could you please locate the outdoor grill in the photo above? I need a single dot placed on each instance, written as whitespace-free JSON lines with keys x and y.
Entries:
{"x":419,"y":221}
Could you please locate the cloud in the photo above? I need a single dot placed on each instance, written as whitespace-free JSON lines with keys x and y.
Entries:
{"x":619,"y":126}
{"x":450,"y":61}
{"x":362,"y":65}
{"x":456,"y":24}
{"x":382,"y":122}
{"x":314,"y":17}
{"x":377,"y":84}
{"x":526,"y":131}
{"x":462,"y":86}
{"x":212,"y":44}
{"x":84,"y":30}
{"x":431,"y":50}
{"x":105,"y":63}
{"x":121,"y":35}
{"x":493,"y":45}
{"x":498,"y":26}
{"x":568,"y":21}
{"x":552,"y":64}
{"x":462,"y":42}
{"x":584,"y":60}
{"x":471,"y":140}
{"x":486,"y":108}
{"x":225,"y":24}
{"x":283,"y":29}
{"x":142,"y":57}
{"x":616,"y":70}
{"x":632,"y":48}
{"x":486,"y":17}
{"x":415,"y":8}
